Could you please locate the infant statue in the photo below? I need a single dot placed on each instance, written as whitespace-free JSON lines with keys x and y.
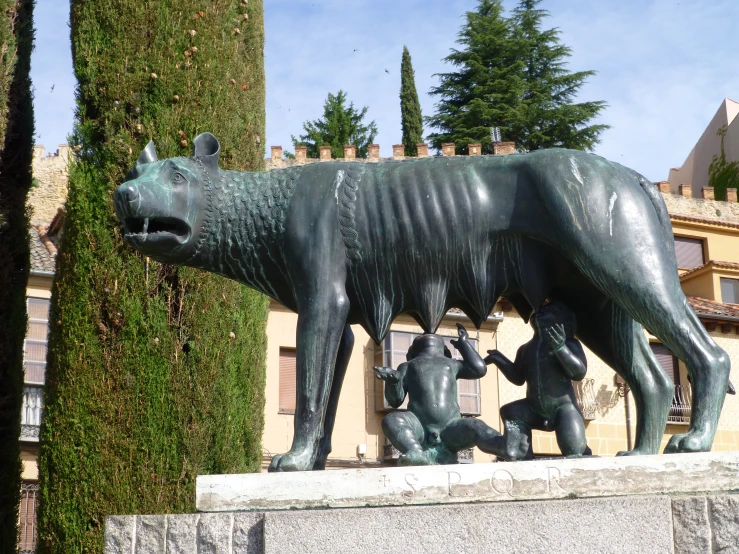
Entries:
{"x":547,"y":364}
{"x":433,"y":430}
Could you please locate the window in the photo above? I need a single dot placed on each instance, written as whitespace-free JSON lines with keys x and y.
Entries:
{"x":730,"y":290}
{"x":392,"y":352}
{"x":27,"y":520}
{"x":35,"y":345}
{"x":689,"y":252}
{"x":287,"y":381}
{"x":681,"y":402}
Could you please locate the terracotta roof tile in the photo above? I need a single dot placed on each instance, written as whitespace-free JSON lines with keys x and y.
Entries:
{"x":707,"y":308}
{"x":42,"y":258}
{"x":715,"y":263}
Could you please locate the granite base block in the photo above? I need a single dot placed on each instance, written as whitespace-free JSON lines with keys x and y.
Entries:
{"x":626,"y":524}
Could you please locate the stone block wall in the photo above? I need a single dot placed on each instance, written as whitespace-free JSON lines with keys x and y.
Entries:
{"x":628,"y":524}
{"x":52,"y":174}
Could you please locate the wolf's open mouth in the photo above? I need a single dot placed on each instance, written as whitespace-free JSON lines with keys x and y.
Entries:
{"x":154,"y":227}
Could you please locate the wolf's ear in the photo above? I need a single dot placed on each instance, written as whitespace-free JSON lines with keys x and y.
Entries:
{"x":148,"y":154}
{"x":207,"y":149}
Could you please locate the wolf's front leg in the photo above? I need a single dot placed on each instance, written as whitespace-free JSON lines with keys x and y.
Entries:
{"x":320,"y":326}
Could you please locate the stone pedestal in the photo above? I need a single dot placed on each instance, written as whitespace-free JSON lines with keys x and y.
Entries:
{"x":678,"y":503}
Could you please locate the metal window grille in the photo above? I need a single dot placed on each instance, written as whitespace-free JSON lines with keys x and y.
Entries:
{"x":31,"y":412}
{"x":681,"y":402}
{"x":585,"y":396}
{"x":27,"y":520}
{"x":392,"y":353}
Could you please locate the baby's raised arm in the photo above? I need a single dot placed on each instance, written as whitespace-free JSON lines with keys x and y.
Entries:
{"x":394,"y":386}
{"x":510,"y":370}
{"x":569,"y":352}
{"x":473,"y":366}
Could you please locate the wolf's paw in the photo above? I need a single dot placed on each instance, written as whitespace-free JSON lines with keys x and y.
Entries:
{"x":291,"y":461}
{"x":688,"y":442}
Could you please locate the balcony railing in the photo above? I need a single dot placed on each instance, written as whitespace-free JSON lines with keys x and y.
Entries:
{"x":585,"y":395}
{"x":33,"y":400}
{"x":681,"y":405}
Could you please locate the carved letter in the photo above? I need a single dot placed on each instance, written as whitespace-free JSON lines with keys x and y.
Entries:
{"x":502,"y":482}
{"x":408,"y":477}
{"x":553,"y":475}
{"x":457,"y":478}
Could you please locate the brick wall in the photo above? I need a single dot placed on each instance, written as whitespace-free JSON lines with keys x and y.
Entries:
{"x":50,"y":192}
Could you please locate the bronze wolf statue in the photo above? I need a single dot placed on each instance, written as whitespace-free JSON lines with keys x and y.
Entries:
{"x":345,"y":243}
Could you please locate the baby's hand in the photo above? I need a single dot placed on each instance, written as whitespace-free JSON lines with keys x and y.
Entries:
{"x":494,"y":357}
{"x":556,"y":336}
{"x":463,"y":336}
{"x":386,"y":374}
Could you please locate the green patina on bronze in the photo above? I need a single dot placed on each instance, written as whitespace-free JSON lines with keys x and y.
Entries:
{"x":347,"y":243}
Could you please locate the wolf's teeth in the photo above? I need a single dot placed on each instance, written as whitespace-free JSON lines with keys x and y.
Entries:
{"x":146,"y":225}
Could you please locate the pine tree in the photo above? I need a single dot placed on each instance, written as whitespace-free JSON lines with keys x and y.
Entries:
{"x":486,"y":89}
{"x":547,"y":115}
{"x":16,"y":154}
{"x":513,"y":75}
{"x":410,"y":108}
{"x":155,"y":373}
{"x":339,"y":126}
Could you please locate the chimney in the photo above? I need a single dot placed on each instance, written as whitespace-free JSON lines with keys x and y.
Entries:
{"x":686,"y":191}
{"x":374,"y":152}
{"x":301,"y":153}
{"x":731,"y":195}
{"x":38,"y":151}
{"x":423,"y":150}
{"x":350,"y":152}
{"x":398,"y":151}
{"x":504,"y":148}
{"x":325,"y":153}
{"x":707,"y":193}
{"x":475,"y":149}
{"x":276,"y":153}
{"x":663,"y":186}
{"x":448,"y":149}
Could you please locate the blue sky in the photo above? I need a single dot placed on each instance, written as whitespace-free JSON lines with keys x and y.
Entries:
{"x":663,"y":66}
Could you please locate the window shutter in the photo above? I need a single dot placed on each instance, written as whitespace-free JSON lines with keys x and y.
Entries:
{"x":287,"y":380}
{"x":730,"y":290}
{"x":689,"y":252}
{"x":667,"y":360}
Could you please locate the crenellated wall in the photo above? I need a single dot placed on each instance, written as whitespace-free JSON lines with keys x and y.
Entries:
{"x":51,"y":176}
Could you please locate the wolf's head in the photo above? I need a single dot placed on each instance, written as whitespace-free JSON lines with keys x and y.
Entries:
{"x":163,"y":204}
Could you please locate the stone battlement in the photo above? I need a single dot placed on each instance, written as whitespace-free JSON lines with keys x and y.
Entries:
{"x":51,"y":177}
{"x":350,"y":154}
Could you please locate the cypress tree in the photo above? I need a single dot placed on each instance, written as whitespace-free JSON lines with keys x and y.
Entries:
{"x":16,"y":154}
{"x":340,"y":125}
{"x":513,"y":75}
{"x":410,"y":108}
{"x":155,"y":373}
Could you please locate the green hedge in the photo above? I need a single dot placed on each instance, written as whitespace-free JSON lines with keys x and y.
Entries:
{"x":155,"y":373}
{"x":16,"y":154}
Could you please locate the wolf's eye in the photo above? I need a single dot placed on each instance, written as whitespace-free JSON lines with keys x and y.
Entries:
{"x":177,"y":178}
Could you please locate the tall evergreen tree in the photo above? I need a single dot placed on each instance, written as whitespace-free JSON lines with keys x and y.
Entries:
{"x":513,"y":75}
{"x":548,"y":115}
{"x":16,"y":154}
{"x":340,"y":125}
{"x":146,"y":389}
{"x":485,"y":90}
{"x":410,"y":108}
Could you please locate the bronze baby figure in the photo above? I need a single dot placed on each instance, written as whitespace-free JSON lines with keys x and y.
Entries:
{"x":547,"y":364}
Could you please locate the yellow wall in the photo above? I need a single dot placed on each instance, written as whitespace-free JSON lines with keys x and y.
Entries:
{"x":721,"y":242}
{"x":30,"y":465}
{"x":357,"y":421}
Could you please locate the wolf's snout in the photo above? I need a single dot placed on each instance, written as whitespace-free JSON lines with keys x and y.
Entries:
{"x":127,"y":193}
